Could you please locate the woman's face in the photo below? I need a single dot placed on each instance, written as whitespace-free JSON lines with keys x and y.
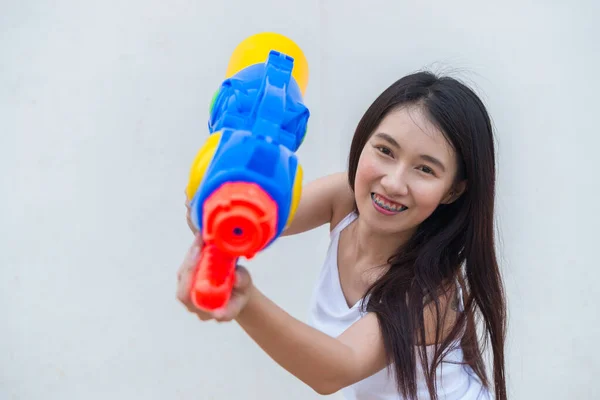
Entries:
{"x":406,"y":169}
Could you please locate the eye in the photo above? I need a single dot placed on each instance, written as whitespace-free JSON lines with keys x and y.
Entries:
{"x":384,"y":150}
{"x":427,"y":170}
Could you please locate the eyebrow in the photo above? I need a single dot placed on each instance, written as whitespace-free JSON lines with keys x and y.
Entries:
{"x":425,"y":157}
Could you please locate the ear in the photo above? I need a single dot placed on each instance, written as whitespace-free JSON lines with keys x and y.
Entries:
{"x":455,"y":192}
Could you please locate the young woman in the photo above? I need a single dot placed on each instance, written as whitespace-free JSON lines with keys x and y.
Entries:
{"x":411,"y":262}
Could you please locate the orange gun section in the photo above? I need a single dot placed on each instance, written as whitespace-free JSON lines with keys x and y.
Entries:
{"x":240,"y":219}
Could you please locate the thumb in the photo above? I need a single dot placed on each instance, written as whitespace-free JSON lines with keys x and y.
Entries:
{"x":194,"y":250}
{"x":198,"y":239}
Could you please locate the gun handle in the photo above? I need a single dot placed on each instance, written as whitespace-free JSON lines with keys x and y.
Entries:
{"x":214,"y":278}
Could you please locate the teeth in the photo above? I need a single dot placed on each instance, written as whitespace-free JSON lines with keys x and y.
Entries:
{"x":387,"y":205}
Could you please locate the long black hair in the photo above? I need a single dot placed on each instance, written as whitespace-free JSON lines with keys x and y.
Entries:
{"x":455,"y":243}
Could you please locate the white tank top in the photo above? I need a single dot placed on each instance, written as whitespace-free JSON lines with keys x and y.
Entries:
{"x":329,"y":313}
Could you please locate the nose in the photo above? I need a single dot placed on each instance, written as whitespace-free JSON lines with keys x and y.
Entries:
{"x":395,"y":182}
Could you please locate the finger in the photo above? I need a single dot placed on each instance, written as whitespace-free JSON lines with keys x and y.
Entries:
{"x":198,"y":239}
{"x":233,"y":308}
{"x":188,"y":217}
{"x":220,"y":314}
{"x":242,"y":278}
{"x":196,"y":245}
{"x":194,"y":250}
{"x":227,"y":313}
{"x":183,"y":292}
{"x":186,"y":273}
{"x":190,"y":223}
{"x":202,"y":315}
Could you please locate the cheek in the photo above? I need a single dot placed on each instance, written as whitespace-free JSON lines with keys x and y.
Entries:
{"x":428,"y":196}
{"x":366,"y":172}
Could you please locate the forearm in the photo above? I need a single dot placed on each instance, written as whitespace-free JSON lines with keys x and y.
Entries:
{"x":320,"y":361}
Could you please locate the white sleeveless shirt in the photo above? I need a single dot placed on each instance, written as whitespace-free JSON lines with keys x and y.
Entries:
{"x":329,"y":313}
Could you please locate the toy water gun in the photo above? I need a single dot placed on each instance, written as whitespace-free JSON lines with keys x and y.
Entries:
{"x":245,"y":182}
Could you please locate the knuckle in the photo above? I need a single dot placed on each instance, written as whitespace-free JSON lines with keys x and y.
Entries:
{"x":190,"y":307}
{"x":184,"y":299}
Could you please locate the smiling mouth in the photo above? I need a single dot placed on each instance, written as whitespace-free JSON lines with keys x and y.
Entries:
{"x":386,"y":204}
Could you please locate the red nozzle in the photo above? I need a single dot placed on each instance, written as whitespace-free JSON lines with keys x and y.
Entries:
{"x":240,"y":218}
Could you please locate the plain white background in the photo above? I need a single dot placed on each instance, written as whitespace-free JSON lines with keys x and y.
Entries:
{"x":104,"y":104}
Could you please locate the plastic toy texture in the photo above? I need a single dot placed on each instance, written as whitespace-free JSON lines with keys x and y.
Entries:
{"x":245,"y":182}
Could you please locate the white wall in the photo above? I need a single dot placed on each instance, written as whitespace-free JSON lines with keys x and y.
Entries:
{"x":92,"y":219}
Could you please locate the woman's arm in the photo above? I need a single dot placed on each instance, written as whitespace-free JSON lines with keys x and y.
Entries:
{"x":325,"y":363}
{"x":319,"y":201}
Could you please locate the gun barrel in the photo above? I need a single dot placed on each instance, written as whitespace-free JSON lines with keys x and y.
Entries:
{"x":240,"y":218}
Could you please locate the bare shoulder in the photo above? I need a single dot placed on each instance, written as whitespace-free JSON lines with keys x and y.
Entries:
{"x":322,"y":201}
